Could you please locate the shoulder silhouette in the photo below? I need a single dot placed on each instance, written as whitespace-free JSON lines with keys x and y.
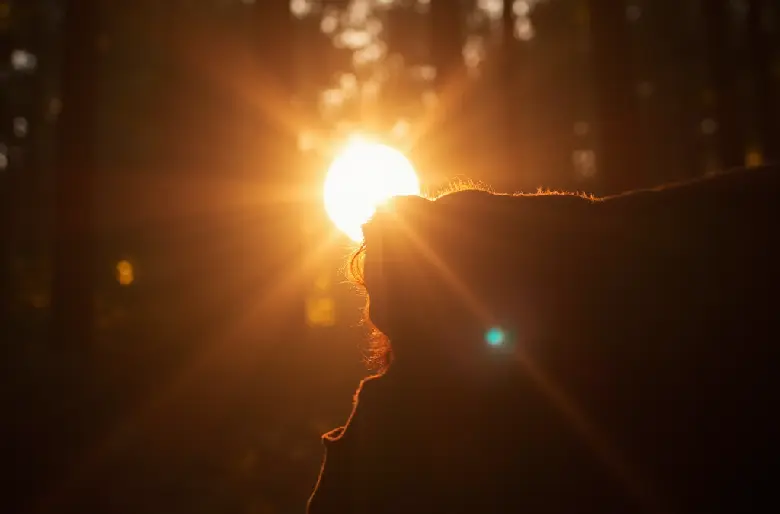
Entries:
{"x":562,"y":353}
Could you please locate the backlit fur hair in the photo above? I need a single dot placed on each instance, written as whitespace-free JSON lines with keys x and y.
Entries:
{"x":379,"y":355}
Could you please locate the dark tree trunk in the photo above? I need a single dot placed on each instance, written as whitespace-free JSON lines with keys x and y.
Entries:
{"x":446,"y":41}
{"x":511,"y":124}
{"x":444,"y":140}
{"x":72,"y":298}
{"x":730,"y":136}
{"x":620,"y":163}
{"x":765,"y":91}
{"x":8,"y":176}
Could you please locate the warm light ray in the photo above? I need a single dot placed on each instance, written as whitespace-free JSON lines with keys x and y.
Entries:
{"x":177,"y":196}
{"x":434,"y":120}
{"x":457,"y":285}
{"x":222,"y":347}
{"x":587,"y":429}
{"x":364,"y":175}
{"x":228,"y":65}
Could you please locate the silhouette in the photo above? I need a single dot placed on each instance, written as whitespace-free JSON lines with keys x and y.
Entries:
{"x":634,"y":372}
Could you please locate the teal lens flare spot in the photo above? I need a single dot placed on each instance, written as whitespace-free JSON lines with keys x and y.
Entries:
{"x":495,"y":336}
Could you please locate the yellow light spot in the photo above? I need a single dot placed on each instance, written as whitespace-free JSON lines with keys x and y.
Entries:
{"x":322,"y":283}
{"x":124,"y":273}
{"x":361,"y":177}
{"x":320,"y":311}
{"x":753,"y":158}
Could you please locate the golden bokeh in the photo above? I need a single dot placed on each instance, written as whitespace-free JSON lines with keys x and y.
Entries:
{"x":124,"y":273}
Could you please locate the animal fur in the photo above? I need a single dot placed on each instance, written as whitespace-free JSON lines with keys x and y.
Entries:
{"x":643,"y":372}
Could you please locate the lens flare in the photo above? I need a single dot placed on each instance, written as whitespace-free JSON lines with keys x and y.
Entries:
{"x":495,"y":336}
{"x":362,"y":176}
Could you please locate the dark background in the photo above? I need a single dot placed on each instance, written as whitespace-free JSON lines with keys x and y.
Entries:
{"x":176,"y":330}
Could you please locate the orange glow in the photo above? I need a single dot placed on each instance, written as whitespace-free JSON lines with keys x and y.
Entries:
{"x":753,"y":158}
{"x":320,"y":311}
{"x":124,"y":273}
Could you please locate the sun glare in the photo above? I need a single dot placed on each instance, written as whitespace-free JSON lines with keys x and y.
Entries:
{"x":362,"y":176}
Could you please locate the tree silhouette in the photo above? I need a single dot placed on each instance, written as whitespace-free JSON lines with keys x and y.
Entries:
{"x":72,"y":293}
{"x":765,"y":90}
{"x":723,"y":75}
{"x":620,"y":161}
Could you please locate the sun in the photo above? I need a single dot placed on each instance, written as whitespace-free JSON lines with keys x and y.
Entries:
{"x":362,"y":176}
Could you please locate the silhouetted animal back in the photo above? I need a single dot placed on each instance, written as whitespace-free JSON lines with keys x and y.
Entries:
{"x":648,"y":380}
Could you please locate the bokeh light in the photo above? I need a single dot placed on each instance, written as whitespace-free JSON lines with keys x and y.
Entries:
{"x":124,"y":273}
